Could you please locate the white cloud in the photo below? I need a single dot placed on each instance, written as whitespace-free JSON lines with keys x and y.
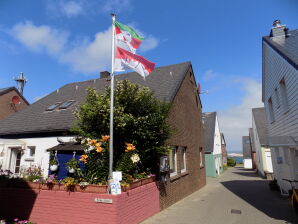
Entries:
{"x":209,"y":75}
{"x":84,"y":55}
{"x":94,"y":56}
{"x":38,"y":38}
{"x":71,"y":8}
{"x":149,"y":43}
{"x":236,"y":120}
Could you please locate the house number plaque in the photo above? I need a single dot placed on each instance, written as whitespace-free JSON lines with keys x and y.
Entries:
{"x":103,"y":200}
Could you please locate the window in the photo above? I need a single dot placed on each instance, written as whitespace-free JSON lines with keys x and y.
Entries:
{"x":286,"y":156}
{"x":66,"y":104}
{"x":284,"y":95}
{"x":173,"y":161}
{"x":201,"y":158}
{"x":183,"y":159}
{"x":53,"y":106}
{"x":271,"y":113}
{"x":31,"y":151}
{"x":277,"y":98}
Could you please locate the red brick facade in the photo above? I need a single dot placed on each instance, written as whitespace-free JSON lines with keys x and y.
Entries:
{"x":7,"y":107}
{"x":185,"y":119}
{"x":52,"y":207}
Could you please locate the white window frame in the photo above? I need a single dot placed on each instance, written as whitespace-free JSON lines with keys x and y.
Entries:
{"x":201,"y":158}
{"x":183,"y":158}
{"x":174,"y":172}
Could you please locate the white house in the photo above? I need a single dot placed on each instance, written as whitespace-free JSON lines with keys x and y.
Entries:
{"x":260,"y":136}
{"x":247,"y":160}
{"x":280,"y":97}
{"x":213,"y":151}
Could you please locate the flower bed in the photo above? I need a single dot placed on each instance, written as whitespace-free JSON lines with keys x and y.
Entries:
{"x":90,"y":188}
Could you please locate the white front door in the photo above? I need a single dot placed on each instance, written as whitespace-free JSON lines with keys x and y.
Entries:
{"x":268,"y":161}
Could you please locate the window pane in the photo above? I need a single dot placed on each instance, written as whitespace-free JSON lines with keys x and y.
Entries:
{"x":66,"y":104}
{"x":53,"y":106}
{"x":172,"y":160}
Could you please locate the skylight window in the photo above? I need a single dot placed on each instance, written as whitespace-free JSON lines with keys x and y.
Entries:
{"x":53,"y":106}
{"x":66,"y":104}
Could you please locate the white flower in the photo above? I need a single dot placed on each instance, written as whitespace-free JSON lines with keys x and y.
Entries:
{"x":135,"y":158}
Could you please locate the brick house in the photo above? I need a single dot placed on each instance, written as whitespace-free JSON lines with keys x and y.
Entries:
{"x":32,"y":131}
{"x":11,"y":101}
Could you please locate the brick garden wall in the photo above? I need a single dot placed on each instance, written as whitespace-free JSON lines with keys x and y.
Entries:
{"x":6,"y":108}
{"x":185,"y":118}
{"x":52,"y":207}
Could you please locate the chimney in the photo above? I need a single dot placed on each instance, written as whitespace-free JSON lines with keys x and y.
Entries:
{"x":104,"y":75}
{"x":278,"y":30}
{"x":21,"y":81}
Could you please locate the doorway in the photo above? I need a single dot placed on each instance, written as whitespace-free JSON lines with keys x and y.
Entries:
{"x":15,"y":160}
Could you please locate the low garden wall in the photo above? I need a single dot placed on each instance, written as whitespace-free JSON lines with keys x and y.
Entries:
{"x":43,"y":206}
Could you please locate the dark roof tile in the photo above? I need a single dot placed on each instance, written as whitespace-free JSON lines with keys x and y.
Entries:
{"x":163,"y":81}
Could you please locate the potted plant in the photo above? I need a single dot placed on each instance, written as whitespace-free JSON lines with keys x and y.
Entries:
{"x":54,"y":165}
{"x":72,"y":165}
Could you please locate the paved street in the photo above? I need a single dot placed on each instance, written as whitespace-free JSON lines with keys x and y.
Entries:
{"x":236,"y":189}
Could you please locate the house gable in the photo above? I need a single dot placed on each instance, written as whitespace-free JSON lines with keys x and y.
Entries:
{"x":7,"y":106}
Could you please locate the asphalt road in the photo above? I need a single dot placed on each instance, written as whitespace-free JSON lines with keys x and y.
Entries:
{"x":238,"y":196}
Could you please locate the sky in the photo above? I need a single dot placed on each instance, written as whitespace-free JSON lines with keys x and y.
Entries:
{"x":63,"y":41}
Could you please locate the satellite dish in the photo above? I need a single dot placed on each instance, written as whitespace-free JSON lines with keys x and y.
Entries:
{"x":15,"y":100}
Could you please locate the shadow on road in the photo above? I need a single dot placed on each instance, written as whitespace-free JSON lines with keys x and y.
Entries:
{"x":257,"y":193}
{"x":247,"y":174}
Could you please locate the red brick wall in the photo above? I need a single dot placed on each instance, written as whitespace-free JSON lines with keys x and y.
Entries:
{"x":6,"y":108}
{"x":185,"y":119}
{"x":52,"y":207}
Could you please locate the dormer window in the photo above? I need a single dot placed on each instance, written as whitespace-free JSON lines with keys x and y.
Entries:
{"x":53,"y":106}
{"x":66,"y":104}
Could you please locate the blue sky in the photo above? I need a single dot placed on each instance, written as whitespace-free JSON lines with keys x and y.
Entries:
{"x":62,"y":41}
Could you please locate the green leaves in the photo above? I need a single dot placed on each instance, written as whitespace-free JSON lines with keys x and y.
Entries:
{"x":139,"y":118}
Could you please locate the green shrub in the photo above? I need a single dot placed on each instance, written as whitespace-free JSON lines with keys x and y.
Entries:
{"x":140,"y":119}
{"x":231,"y":162}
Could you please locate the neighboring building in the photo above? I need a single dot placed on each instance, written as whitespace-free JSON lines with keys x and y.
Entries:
{"x":26,"y":136}
{"x":253,"y":149}
{"x":263,"y":154}
{"x":11,"y":101}
{"x":247,"y":160}
{"x":224,"y":150}
{"x":213,"y":151}
{"x":279,"y":94}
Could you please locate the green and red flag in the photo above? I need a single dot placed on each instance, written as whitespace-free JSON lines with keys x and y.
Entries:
{"x":127,"y":35}
{"x":127,"y":42}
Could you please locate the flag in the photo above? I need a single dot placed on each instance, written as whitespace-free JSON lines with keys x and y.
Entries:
{"x":127,"y":42}
{"x":127,"y":60}
{"x":127,"y":35}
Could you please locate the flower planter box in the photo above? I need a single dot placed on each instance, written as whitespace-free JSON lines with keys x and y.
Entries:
{"x":92,"y":188}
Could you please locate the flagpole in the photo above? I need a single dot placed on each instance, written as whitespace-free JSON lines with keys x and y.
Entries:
{"x":112,"y":100}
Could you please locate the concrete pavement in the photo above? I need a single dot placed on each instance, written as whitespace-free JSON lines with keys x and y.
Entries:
{"x":237,"y":196}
